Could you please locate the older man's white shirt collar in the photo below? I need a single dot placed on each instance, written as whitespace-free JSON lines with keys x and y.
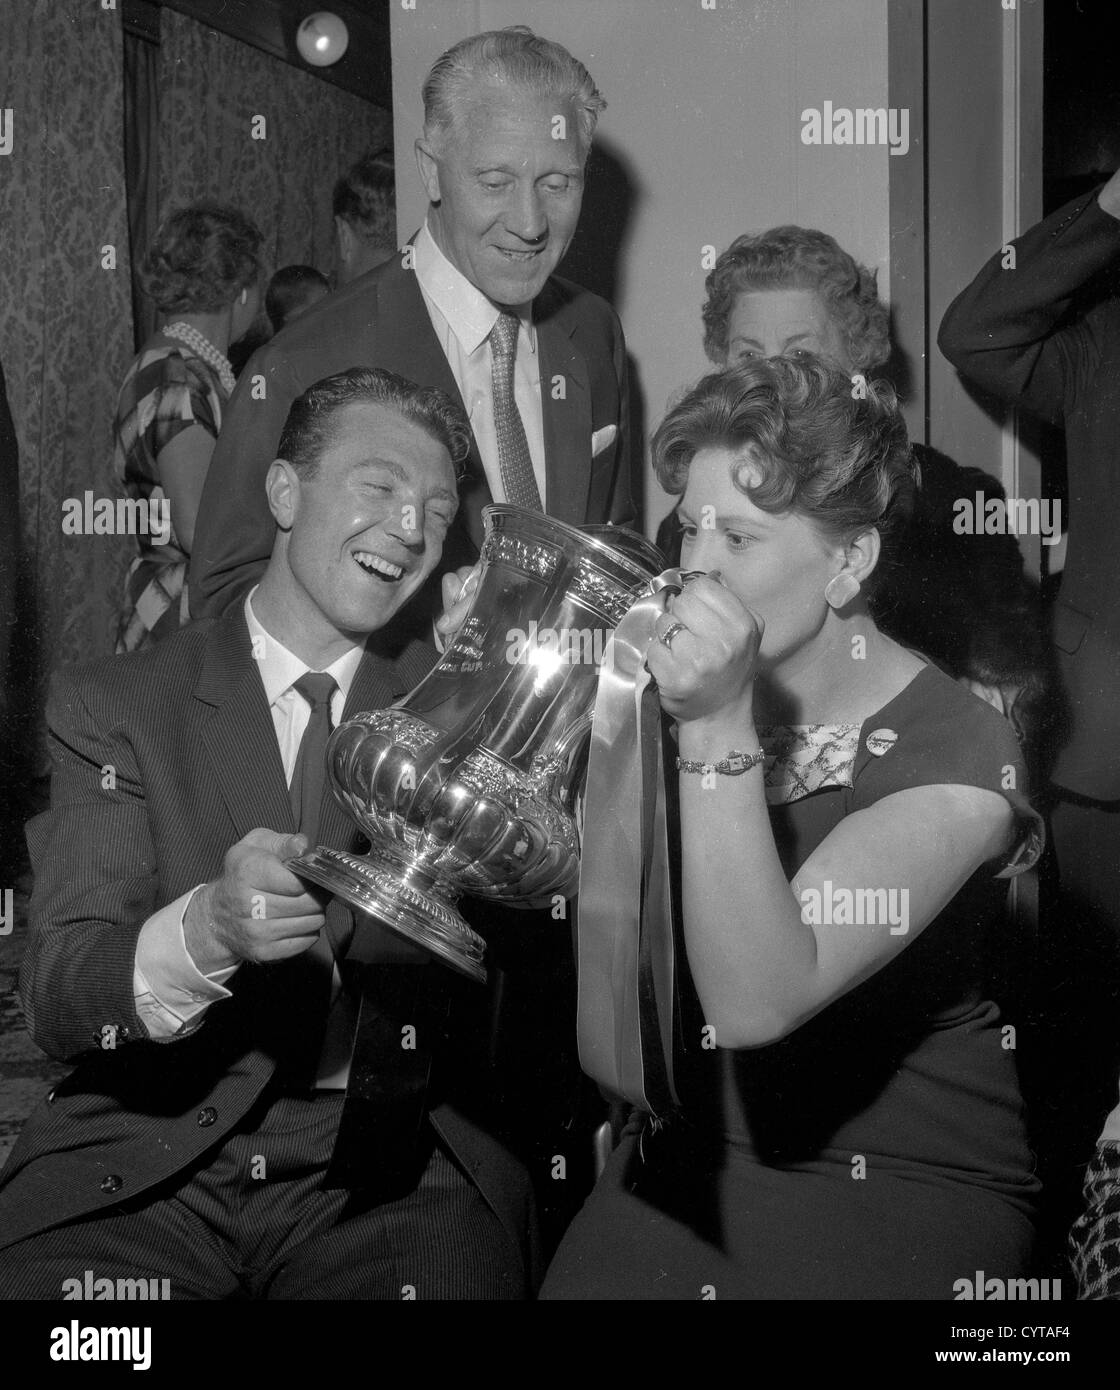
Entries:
{"x":280,"y":668}
{"x":469,"y":314}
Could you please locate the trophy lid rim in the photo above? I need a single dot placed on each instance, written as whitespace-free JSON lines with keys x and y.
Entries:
{"x":656,"y":559}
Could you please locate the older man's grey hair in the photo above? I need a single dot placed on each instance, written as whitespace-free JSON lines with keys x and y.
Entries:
{"x":513,"y":58}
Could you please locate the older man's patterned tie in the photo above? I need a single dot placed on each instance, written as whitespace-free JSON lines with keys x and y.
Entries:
{"x":514,"y":462}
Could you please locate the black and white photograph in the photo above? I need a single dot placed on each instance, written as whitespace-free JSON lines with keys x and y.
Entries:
{"x":559,"y":672}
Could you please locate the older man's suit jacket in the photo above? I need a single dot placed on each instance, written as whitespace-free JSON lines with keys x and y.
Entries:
{"x":163,"y":760}
{"x":1012,"y":331}
{"x":381,"y":320}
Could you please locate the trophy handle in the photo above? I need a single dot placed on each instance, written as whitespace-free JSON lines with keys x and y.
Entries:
{"x":674,"y":580}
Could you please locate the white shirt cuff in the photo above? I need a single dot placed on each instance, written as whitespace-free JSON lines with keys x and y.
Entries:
{"x":171,"y":993}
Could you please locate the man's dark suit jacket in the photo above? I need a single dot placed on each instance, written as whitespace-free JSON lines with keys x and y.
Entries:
{"x":381,"y":320}
{"x":1011,"y":332}
{"x":163,"y":760}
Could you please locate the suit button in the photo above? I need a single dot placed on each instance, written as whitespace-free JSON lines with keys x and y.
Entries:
{"x":207,"y":1115}
{"x":112,"y":1183}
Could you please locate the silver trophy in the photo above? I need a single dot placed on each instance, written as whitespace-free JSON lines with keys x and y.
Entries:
{"x":469,"y":784}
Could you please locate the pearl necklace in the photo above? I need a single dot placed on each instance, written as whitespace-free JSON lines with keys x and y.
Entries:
{"x":202,"y":347}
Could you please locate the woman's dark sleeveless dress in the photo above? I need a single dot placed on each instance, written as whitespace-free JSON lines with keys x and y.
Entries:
{"x":879,"y":1152}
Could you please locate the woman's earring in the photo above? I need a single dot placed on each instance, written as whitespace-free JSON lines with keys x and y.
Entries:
{"x":840,"y":590}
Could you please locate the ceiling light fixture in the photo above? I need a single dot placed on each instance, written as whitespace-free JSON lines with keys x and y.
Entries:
{"x":322,"y":39}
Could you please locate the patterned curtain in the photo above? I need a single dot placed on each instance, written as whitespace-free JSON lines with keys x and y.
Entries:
{"x":141,"y":147}
{"x":248,"y":129}
{"x":66,"y":320}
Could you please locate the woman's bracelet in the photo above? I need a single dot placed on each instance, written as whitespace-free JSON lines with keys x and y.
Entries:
{"x":733,"y":765}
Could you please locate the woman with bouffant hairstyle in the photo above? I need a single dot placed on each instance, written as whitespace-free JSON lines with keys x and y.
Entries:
{"x":202,"y":271}
{"x":850,"y":1124}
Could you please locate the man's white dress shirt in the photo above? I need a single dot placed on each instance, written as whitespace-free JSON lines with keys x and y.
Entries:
{"x":172,"y":994}
{"x":462,"y":317}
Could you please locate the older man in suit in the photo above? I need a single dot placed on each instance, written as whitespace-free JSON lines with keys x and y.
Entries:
{"x":209,"y":1136}
{"x":472,"y":306}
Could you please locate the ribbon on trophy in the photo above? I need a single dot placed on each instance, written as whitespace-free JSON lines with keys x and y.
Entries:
{"x":628,"y":925}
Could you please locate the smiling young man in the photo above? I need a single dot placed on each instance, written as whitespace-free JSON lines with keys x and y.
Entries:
{"x":472,"y":306}
{"x":212,"y":1000}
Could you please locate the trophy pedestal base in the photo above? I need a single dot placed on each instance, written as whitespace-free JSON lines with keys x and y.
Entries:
{"x":422,"y":915}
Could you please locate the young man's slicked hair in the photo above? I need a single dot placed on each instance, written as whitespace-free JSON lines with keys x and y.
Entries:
{"x":310,"y":424}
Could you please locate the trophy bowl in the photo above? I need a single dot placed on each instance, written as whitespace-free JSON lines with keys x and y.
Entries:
{"x":470,"y":783}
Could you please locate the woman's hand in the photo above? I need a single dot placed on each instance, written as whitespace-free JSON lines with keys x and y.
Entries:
{"x":709,"y":664}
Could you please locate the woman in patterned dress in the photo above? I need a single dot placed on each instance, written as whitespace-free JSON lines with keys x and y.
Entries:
{"x":203,"y":272}
{"x":847,"y":814}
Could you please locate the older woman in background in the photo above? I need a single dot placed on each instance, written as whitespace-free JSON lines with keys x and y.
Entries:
{"x":793,"y":291}
{"x":203,"y":272}
{"x":962,"y":599}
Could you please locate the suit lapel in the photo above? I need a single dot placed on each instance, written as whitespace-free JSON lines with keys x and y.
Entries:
{"x":418,"y":355}
{"x":239,"y":737}
{"x":415,"y":345}
{"x":567,"y":422}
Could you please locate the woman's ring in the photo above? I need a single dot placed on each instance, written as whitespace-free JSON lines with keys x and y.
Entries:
{"x":666,"y":637}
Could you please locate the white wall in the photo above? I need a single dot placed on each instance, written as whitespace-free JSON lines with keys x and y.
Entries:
{"x":984,"y":108}
{"x":704,"y":114}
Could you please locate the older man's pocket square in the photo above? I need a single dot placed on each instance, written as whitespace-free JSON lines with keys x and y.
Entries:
{"x":602,"y":439}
